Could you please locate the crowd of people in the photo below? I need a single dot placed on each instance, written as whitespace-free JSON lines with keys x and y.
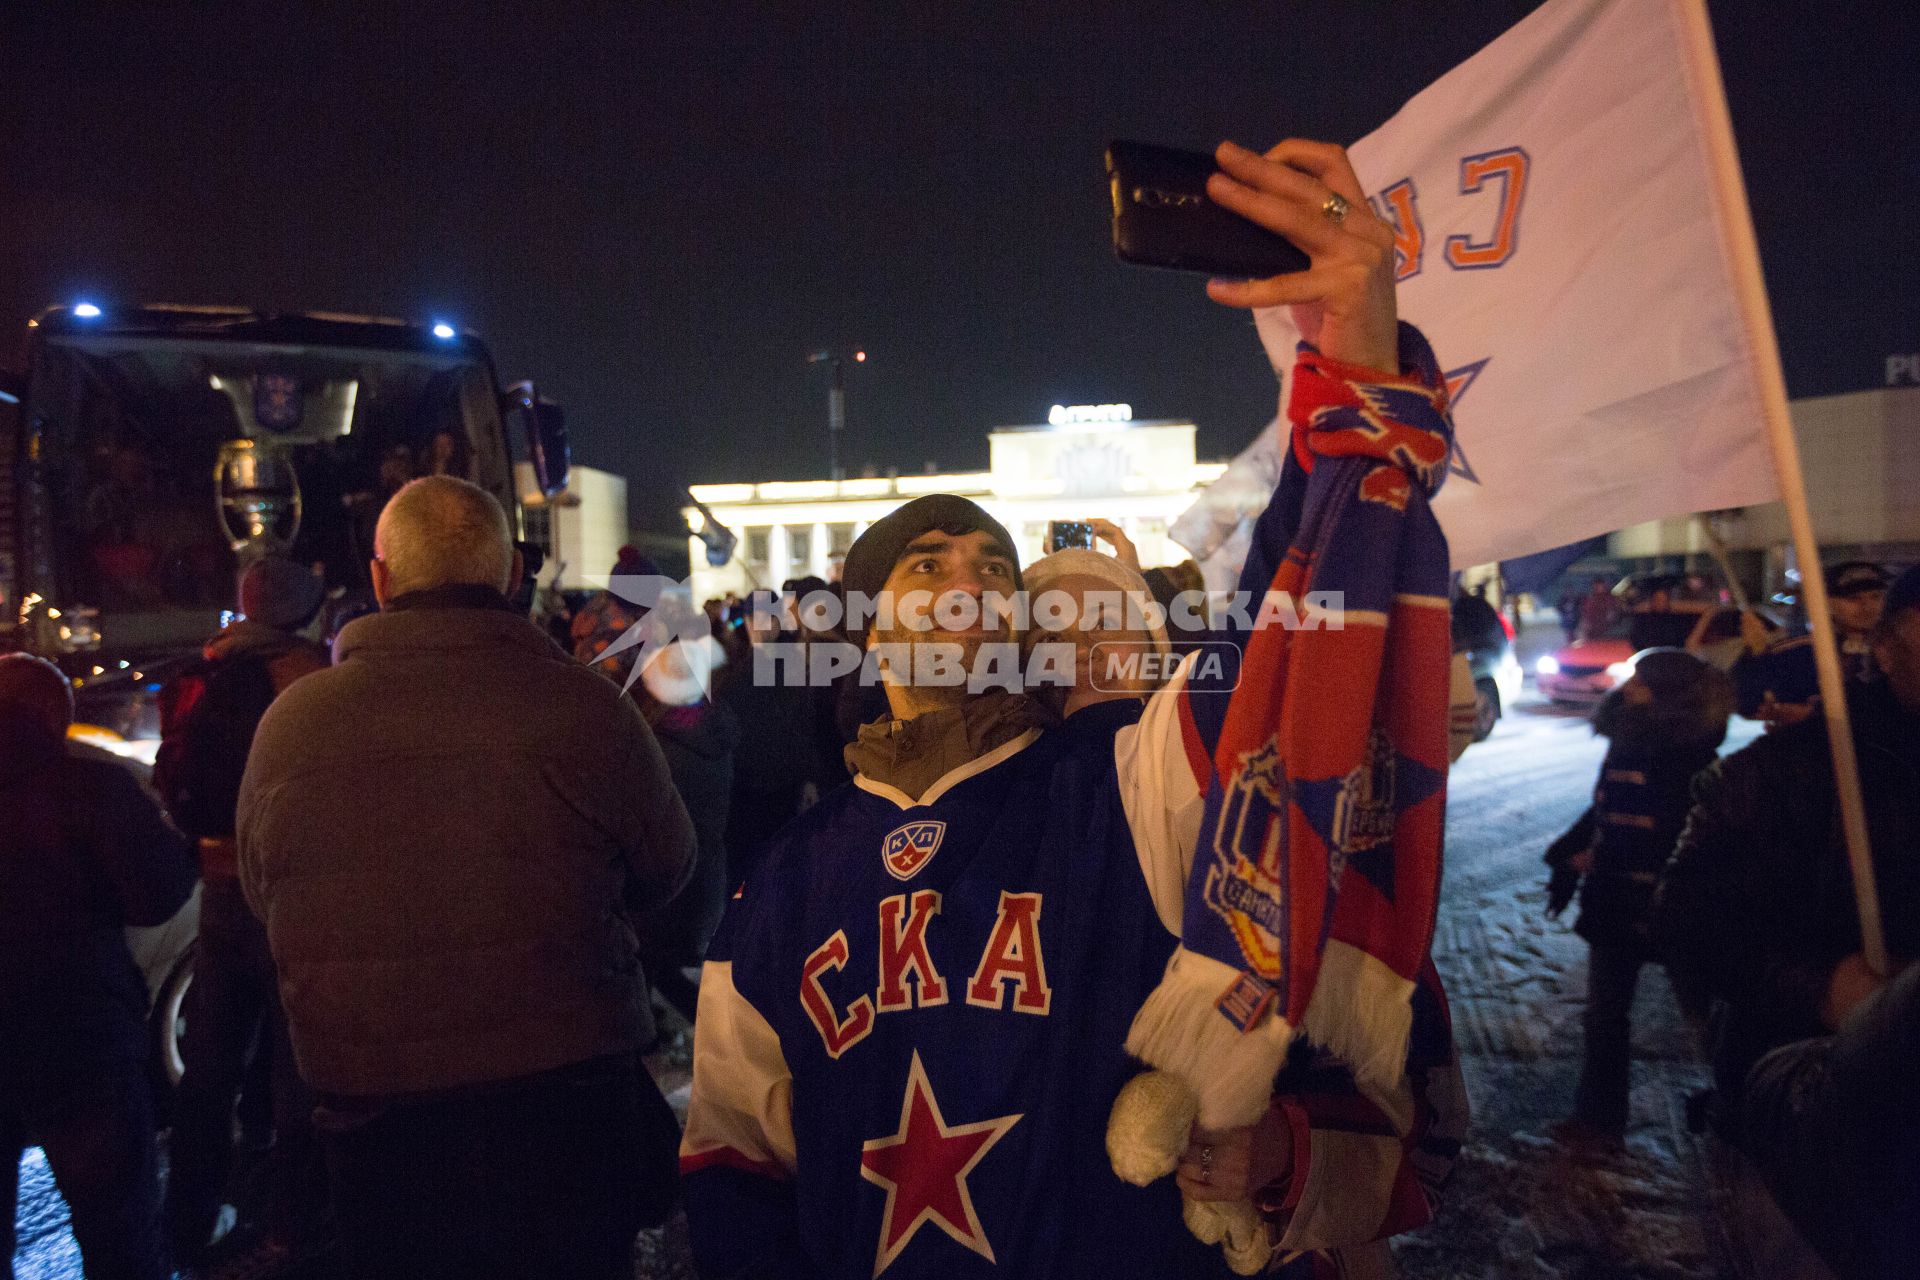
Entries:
{"x":1735,"y":874}
{"x":447,"y":868}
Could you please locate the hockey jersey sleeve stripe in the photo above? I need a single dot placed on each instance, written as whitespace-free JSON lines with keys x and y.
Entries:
{"x":1199,"y":759}
{"x":740,"y":1112}
{"x":1351,"y":1113}
{"x":1463,"y":711}
{"x":1162,"y":800}
{"x":1374,"y":1164}
{"x":728,"y":1158}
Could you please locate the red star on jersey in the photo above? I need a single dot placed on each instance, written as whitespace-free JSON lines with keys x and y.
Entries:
{"x":924,"y":1169}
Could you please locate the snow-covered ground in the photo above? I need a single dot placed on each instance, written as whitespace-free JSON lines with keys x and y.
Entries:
{"x":1523,"y":1204}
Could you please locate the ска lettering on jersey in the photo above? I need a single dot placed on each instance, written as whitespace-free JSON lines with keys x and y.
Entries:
{"x":1012,"y":972}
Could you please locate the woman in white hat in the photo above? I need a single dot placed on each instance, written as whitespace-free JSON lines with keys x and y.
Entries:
{"x":1101,"y":606}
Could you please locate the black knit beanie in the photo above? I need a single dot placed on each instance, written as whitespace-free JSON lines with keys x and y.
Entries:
{"x":871,"y":559}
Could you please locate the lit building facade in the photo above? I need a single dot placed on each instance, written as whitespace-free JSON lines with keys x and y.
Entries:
{"x":1088,"y":461}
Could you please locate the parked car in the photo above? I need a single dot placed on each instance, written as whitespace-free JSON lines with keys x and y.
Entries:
{"x":1483,"y":633}
{"x":1586,"y":671}
{"x":1582,"y":673}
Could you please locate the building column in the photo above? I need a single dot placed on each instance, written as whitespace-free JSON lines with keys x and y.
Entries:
{"x":817,"y":565}
{"x":779,"y":556}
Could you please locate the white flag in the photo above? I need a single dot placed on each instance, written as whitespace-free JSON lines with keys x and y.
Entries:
{"x":1559,"y":246}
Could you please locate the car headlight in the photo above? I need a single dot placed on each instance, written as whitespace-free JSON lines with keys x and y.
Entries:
{"x":1547,"y":666}
{"x":1620,"y":671}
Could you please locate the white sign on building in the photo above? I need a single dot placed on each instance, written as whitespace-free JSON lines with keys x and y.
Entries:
{"x":581,"y":528}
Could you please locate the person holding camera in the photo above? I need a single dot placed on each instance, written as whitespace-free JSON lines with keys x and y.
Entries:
{"x":912,"y":1019}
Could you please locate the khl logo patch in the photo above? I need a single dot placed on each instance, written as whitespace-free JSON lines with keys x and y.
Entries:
{"x":909,"y":848}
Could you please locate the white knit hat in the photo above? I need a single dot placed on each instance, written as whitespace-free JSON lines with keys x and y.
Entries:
{"x":1045,"y":574}
{"x":678,"y":674}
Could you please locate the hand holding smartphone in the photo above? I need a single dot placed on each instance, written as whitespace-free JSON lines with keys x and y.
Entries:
{"x":1063,"y":535}
{"x":1162,"y":217}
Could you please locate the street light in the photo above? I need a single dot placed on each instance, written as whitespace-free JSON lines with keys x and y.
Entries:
{"x":836,"y":405}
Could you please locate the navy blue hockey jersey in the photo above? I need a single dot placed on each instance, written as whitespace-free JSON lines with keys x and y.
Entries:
{"x":947,"y":984}
{"x":911,"y":1022}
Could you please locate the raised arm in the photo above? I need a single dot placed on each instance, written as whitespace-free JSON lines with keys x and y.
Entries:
{"x":1343,"y":592}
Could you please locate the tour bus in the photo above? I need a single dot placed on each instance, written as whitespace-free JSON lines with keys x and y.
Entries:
{"x":148,"y":453}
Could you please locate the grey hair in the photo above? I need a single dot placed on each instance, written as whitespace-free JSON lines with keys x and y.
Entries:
{"x":441,"y":531}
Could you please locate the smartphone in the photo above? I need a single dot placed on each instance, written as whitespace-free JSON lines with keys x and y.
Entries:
{"x":1063,"y":534}
{"x":1163,"y":218}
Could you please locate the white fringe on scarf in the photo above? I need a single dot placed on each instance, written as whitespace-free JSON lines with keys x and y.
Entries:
{"x":1360,"y":1012}
{"x":1179,"y":1029}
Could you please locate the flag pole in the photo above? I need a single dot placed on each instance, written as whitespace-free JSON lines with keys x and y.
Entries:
{"x":1717,"y":546}
{"x":1736,"y":225}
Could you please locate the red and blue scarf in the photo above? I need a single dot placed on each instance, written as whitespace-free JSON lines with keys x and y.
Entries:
{"x":1310,"y":906}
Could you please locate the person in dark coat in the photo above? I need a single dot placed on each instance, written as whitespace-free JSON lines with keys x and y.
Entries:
{"x":1598,"y":610}
{"x":1663,"y":726}
{"x":1813,"y":1050}
{"x":450,"y":834}
{"x":698,"y":737}
{"x":806,"y":605}
{"x":88,"y":854}
{"x":778,"y":770}
{"x":233,"y":1009}
{"x":1774,"y":673}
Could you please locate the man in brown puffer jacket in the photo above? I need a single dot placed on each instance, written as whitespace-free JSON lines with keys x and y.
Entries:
{"x":449,"y":834}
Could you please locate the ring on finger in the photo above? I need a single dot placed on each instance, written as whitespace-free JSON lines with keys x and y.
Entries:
{"x":1206,"y":1164}
{"x":1334,"y":208}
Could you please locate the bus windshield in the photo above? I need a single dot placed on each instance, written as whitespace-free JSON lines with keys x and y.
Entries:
{"x":156,"y":465}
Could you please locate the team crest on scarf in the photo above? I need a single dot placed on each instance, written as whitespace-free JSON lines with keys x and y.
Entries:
{"x":1250,"y":846}
{"x":1363,"y":813}
{"x":911,"y":847}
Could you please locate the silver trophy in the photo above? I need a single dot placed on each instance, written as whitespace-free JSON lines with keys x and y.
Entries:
{"x":258,"y":495}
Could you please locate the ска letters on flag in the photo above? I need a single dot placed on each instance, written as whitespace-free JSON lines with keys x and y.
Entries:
{"x":1557,"y":242}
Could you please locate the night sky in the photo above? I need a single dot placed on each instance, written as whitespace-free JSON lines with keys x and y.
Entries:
{"x":657,"y":212}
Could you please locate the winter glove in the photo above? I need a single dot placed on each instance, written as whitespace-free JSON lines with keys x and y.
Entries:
{"x":1561,"y":886}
